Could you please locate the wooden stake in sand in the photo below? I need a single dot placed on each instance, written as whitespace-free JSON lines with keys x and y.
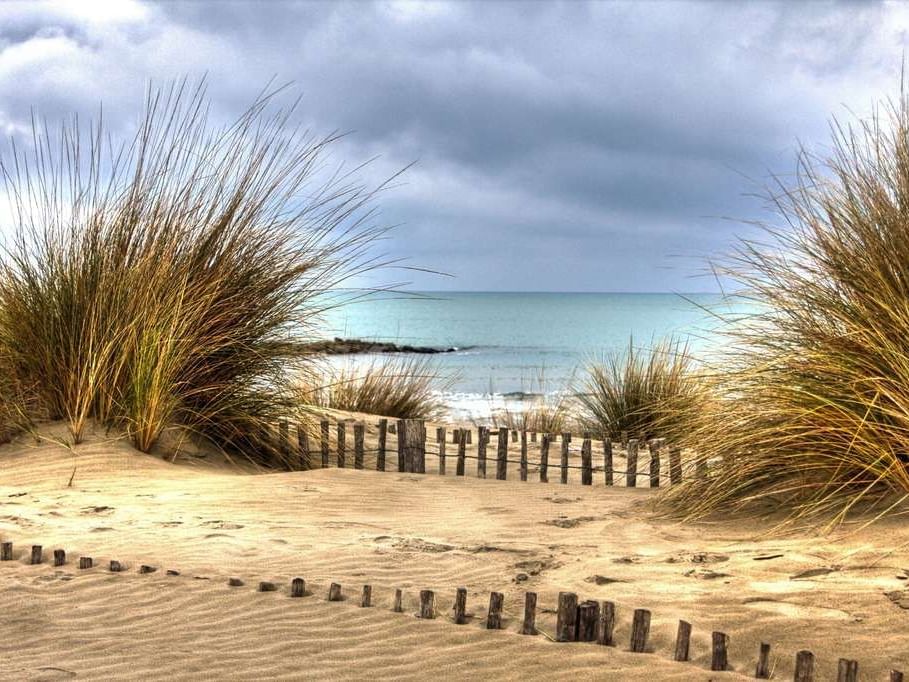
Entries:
{"x":523,"y":455}
{"x":566,"y":442}
{"x":762,"y":671}
{"x":427,"y":597}
{"x":655,"y":463}
{"x":528,"y":627}
{"x":586,"y":463}
{"x":896,"y":676}
{"x":640,"y":629}
{"x":359,"y":438}
{"x":544,"y":458}
{"x":682,"y":641}
{"x":334,"y":592}
{"x":303,"y":447}
{"x":297,"y":588}
{"x":494,"y":619}
{"x":847,"y":670}
{"x":440,"y":439}
{"x":566,"y":617}
{"x":675,"y":466}
{"x":115,"y":566}
{"x":804,"y":666}
{"x":398,"y":606}
{"x":324,"y":427}
{"x":6,"y":551}
{"x":366,"y":597}
{"x":267,"y":586}
{"x":587,"y":619}
{"x":462,"y":453}
{"x":631,"y":470}
{"x":606,"y":624}
{"x":402,"y":463}
{"x":460,"y":606}
{"x":414,"y":452}
{"x":59,"y":557}
{"x":502,"y":462}
{"x":719,"y":658}
{"x":607,"y":461}
{"x":482,"y":441}
{"x":342,"y":444}
{"x":37,"y":555}
{"x":85,"y":562}
{"x":383,"y":436}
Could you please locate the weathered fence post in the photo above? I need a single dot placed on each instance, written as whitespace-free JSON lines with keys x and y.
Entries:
{"x":402,"y":457}
{"x":523,"y":455}
{"x":469,"y":436}
{"x":37,"y":555}
{"x":460,"y":606}
{"x":482,"y":440}
{"x":607,"y":461}
{"x":85,"y":562}
{"x":804,"y":666}
{"x":586,"y":463}
{"x":682,"y":641}
{"x":631,"y":473}
{"x":59,"y":557}
{"x":502,"y":462}
{"x":655,"y":463}
{"x":606,"y":625}
{"x":303,"y":447}
{"x":566,"y":442}
{"x":544,"y":458}
{"x":398,"y":606}
{"x":359,"y":437}
{"x":675,"y":466}
{"x":421,"y":447}
{"x":762,"y":670}
{"x":366,"y":597}
{"x":587,"y":619}
{"x":440,"y":439}
{"x":719,"y":657}
{"x":494,"y":619}
{"x":462,"y":452}
{"x":414,"y":448}
{"x":640,"y":629}
{"x":6,"y":551}
{"x":297,"y":588}
{"x":427,"y":599}
{"x":846,"y":670}
{"x":383,"y":437}
{"x":566,"y":617}
{"x":342,"y":443}
{"x":334,"y":592}
{"x":528,"y":627}
{"x":896,"y":676}
{"x":325,"y":449}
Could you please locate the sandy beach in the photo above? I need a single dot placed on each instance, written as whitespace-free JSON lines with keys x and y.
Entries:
{"x":210,"y":522}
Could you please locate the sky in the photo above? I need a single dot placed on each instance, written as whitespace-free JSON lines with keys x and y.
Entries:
{"x":555,"y":146}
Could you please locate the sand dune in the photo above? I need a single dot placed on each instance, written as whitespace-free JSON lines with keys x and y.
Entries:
{"x":390,"y":530}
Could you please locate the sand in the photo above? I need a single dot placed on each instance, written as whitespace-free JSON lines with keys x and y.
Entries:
{"x":210,"y":522}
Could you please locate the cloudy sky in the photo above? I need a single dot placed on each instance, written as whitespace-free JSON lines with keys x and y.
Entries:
{"x":558,"y":146}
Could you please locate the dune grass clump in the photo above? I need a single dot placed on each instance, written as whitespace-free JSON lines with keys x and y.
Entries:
{"x":813,"y":409}
{"x":405,"y":388}
{"x":168,"y":281}
{"x":646,"y":393}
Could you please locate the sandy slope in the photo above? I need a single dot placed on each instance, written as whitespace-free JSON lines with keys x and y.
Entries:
{"x":414,"y":532}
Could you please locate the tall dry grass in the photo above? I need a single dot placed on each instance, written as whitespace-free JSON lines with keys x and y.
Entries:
{"x":167,"y":281}
{"x":406,"y":388}
{"x":644,"y":392}
{"x":812,"y":415}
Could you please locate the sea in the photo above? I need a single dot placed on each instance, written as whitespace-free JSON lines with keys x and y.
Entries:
{"x":507,"y":348}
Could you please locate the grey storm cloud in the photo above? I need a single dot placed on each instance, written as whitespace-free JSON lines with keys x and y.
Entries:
{"x":558,"y":146}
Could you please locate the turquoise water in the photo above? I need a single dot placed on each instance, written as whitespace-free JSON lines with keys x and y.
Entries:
{"x":506,"y":341}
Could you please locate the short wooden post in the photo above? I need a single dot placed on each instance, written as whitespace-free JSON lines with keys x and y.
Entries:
{"x":631,"y":475}
{"x":896,"y":676}
{"x":608,"y":469}
{"x":6,"y":551}
{"x":402,"y":459}
{"x":383,"y":437}
{"x":469,"y":436}
{"x":366,"y":597}
{"x":145,"y":568}
{"x":528,"y":626}
{"x":586,"y":463}
{"x":640,"y":629}
{"x":847,"y":670}
{"x":37,"y":555}
{"x":675,"y":466}
{"x":566,"y":617}
{"x":297,"y":587}
{"x":804,"y":666}
{"x":655,"y":445}
{"x":762,"y":670}
{"x":334,"y":592}
{"x":460,"y":606}
{"x":284,"y":441}
{"x":462,"y":453}
{"x":266,"y":586}
{"x":303,"y":447}
{"x":682,"y":641}
{"x":421,"y":446}
{"x":494,"y":619}
{"x":606,"y":625}
{"x":502,"y":462}
{"x":482,"y":441}
{"x":440,"y":440}
{"x":59,"y":557}
{"x":85,"y":562}
{"x":588,"y":615}
{"x":544,"y":458}
{"x":342,"y":444}
{"x":427,"y":597}
{"x":719,"y":658}
{"x":359,"y":438}
{"x":325,"y":446}
{"x":566,"y":442}
{"x":398,"y":606}
{"x":115,"y":566}
{"x":523,"y":455}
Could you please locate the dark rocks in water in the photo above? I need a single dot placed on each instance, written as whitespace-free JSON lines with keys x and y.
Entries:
{"x":339,"y":346}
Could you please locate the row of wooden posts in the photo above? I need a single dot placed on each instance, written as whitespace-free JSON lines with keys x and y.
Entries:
{"x":412,"y":451}
{"x":586,"y":621}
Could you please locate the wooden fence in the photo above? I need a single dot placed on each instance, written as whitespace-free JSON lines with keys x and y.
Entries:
{"x":343,"y":444}
{"x":576,"y":621}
